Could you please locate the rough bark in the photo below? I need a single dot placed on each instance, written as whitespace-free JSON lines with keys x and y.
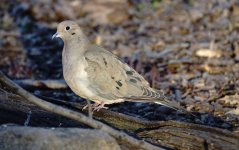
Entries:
{"x":171,"y":134}
{"x":74,"y":115}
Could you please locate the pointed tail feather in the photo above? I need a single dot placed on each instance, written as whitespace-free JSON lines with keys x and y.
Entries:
{"x":173,"y":105}
{"x":160,"y":99}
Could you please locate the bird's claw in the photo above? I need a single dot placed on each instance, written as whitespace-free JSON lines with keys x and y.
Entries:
{"x":95,"y":106}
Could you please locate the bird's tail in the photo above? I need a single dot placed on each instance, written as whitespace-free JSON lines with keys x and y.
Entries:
{"x":155,"y":96}
{"x":172,"y":104}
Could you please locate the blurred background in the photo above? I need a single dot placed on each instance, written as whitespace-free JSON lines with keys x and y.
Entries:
{"x":186,"y":48}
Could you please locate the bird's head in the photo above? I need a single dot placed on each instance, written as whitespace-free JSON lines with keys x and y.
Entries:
{"x":68,"y":30}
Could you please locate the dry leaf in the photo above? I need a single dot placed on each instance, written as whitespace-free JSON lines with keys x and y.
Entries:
{"x":53,"y":11}
{"x":124,"y":51}
{"x":232,"y":100}
{"x":195,"y":14}
{"x":234,"y":111}
{"x":112,"y":12}
{"x":215,"y":70}
{"x":208,"y":53}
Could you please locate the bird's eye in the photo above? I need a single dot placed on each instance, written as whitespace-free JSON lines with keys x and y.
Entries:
{"x":67,"y":28}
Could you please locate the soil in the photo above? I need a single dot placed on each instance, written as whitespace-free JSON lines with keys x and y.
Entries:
{"x":187,"y":49}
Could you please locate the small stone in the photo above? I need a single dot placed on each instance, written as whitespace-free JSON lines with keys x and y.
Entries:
{"x":29,"y":138}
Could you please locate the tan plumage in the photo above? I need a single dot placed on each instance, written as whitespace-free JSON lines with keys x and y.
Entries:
{"x":96,"y":74}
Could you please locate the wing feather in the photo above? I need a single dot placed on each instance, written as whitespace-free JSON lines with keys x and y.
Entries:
{"x":112,"y":79}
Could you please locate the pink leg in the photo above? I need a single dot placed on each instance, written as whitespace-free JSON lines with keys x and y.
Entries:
{"x":92,"y":105}
{"x":96,"y":106}
{"x":86,"y":106}
{"x":99,"y":106}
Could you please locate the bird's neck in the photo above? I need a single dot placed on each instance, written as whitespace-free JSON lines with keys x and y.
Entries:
{"x":74,"y":49}
{"x":76,"y":46}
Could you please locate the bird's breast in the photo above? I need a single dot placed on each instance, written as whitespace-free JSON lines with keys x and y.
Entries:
{"x":77,"y":79}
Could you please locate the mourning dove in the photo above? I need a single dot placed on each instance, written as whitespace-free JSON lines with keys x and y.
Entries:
{"x":96,"y":74}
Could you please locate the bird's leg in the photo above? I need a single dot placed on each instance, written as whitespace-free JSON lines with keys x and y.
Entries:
{"x":86,"y":106}
{"x":99,"y":106}
{"x":91,"y":105}
{"x":90,"y":113}
{"x":95,"y":106}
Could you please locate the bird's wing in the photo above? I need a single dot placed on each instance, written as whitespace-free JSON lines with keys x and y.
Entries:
{"x":113,"y":79}
{"x":105,"y":74}
{"x":110,"y":77}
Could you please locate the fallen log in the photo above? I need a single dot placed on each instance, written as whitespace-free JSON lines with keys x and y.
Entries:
{"x":79,"y":117}
{"x":46,"y":84}
{"x":171,"y":134}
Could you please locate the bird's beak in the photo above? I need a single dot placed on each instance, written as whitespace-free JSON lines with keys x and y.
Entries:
{"x":55,"y":35}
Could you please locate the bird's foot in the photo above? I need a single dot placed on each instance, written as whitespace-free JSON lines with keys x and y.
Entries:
{"x":99,"y":106}
{"x":90,"y":105}
{"x":86,"y":106}
{"x":95,"y":106}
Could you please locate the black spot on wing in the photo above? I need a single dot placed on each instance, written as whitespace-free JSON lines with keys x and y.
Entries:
{"x":133,"y":80}
{"x":129,"y":72}
{"x":73,"y":33}
{"x":113,"y":78}
{"x":119,"y":83}
{"x":137,"y":78}
{"x":117,"y":87}
{"x":105,"y":62}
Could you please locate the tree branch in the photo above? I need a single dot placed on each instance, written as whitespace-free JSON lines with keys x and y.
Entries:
{"x":76,"y":116}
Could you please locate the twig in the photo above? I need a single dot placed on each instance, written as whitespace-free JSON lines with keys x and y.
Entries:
{"x":28,"y":118}
{"x":51,"y":84}
{"x":171,"y":134}
{"x":76,"y":116}
{"x":90,"y":113}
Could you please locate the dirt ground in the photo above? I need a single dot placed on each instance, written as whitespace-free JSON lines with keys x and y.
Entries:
{"x":186,"y":48}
